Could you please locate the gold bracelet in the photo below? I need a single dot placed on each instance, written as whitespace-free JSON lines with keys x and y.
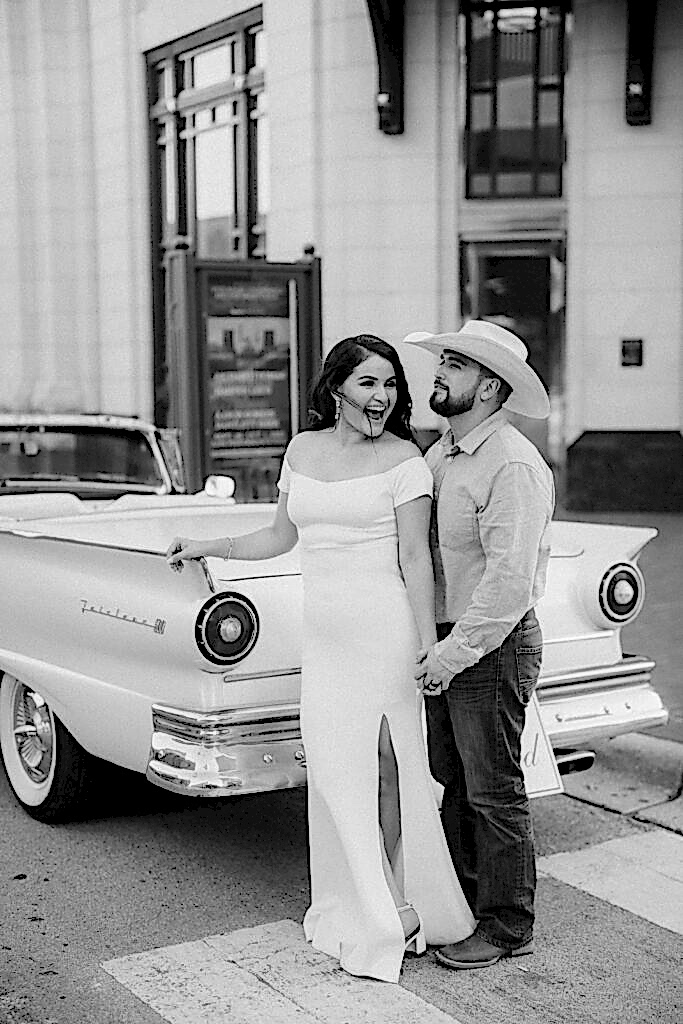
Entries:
{"x":231,"y":543}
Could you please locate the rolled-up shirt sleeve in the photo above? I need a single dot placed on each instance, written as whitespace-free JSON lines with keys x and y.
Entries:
{"x":514,"y":526}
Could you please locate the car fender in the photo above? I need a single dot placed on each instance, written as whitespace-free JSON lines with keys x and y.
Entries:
{"x":112,"y":722}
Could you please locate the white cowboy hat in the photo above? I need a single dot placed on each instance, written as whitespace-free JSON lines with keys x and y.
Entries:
{"x":499,"y":350}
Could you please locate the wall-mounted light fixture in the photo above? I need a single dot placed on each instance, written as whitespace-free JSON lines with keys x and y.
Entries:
{"x":640,"y":44}
{"x":387,"y":18}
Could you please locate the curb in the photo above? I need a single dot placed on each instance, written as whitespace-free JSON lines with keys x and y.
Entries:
{"x":637,"y":775}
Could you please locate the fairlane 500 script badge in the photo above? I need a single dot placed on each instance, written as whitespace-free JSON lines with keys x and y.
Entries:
{"x":158,"y":626}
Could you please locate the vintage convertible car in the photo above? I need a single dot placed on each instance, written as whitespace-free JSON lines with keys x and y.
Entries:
{"x":192,"y":677}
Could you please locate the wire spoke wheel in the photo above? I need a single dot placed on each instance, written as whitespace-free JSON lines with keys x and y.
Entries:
{"x":47,"y":770}
{"x":34,"y":734}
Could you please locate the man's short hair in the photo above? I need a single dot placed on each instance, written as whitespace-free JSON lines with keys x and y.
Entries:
{"x":504,"y":389}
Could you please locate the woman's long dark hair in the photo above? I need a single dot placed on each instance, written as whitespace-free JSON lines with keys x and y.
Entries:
{"x":340,"y":362}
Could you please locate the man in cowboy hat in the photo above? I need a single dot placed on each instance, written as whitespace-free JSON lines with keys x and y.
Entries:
{"x":494,"y":499}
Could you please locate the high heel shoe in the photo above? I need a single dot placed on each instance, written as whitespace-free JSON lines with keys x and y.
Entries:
{"x":415,"y":943}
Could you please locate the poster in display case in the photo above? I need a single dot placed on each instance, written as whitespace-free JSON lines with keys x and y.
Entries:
{"x":253,"y":373}
{"x":249,"y":354}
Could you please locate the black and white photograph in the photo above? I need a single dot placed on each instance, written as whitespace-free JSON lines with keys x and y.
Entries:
{"x":341,"y":512}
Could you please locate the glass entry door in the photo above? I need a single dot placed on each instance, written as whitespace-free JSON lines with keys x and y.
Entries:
{"x":520,"y":285}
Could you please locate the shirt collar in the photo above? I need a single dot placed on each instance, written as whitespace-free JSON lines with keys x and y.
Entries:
{"x":475,"y":438}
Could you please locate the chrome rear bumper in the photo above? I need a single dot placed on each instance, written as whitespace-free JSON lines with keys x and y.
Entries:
{"x":583,"y":706}
{"x":252,"y":750}
{"x":258,"y":749}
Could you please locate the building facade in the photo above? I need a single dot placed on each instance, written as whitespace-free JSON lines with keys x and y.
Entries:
{"x":444,"y":159}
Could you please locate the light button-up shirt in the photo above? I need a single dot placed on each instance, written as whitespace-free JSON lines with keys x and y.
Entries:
{"x":490,"y":536}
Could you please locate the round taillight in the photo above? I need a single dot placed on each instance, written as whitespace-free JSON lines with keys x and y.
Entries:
{"x":621,"y":592}
{"x":226,"y":629}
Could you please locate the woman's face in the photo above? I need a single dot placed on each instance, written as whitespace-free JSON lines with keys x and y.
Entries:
{"x":368,"y":396}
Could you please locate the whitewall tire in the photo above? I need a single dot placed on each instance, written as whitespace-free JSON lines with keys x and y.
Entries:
{"x":49,"y":773}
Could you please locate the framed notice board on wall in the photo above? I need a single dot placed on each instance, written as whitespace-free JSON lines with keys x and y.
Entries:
{"x":259,"y":338}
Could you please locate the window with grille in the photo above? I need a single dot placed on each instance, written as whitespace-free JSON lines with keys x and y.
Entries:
{"x":515,"y":75}
{"x":209,"y":121}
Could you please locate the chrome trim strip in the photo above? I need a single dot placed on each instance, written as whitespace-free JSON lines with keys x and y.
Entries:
{"x":599,"y":634}
{"x":627,"y":670}
{"x":229,"y":716}
{"x":242,"y":676}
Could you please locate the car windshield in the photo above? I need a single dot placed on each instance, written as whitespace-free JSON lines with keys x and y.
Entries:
{"x":84,"y":454}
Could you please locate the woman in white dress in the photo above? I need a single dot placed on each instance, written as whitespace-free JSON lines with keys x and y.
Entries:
{"x":356,"y":494}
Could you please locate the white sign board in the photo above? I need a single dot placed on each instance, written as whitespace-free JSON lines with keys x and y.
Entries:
{"x":541,"y":775}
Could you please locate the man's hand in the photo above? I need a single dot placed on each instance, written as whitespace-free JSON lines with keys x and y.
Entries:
{"x":432,"y":677}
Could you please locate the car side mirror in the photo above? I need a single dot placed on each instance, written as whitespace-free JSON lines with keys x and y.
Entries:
{"x":219,"y":487}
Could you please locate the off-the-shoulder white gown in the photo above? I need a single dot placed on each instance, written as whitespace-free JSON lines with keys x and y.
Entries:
{"x":358,"y":661}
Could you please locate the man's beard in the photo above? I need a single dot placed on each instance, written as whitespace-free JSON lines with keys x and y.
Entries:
{"x":449,"y":405}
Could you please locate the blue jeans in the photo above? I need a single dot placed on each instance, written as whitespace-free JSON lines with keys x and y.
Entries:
{"x":474,"y":731}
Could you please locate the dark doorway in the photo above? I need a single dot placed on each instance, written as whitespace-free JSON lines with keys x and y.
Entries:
{"x":521,"y":286}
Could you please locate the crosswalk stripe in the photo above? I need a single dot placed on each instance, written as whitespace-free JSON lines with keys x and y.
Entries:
{"x":268,"y":973}
{"x":642,"y":873}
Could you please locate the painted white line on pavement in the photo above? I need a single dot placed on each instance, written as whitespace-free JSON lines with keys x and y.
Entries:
{"x":269,"y":973}
{"x":641,"y":873}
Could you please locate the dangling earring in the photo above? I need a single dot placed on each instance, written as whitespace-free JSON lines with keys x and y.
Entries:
{"x":337,"y":410}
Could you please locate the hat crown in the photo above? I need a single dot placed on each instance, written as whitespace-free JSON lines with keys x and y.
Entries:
{"x":488,"y":331}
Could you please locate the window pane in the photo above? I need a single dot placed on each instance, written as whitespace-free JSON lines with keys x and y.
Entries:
{"x":516,"y":102}
{"x":514,"y":184}
{"x":215,"y":192}
{"x":158,"y":85}
{"x":481,"y":157}
{"x":166,"y":178}
{"x":258,"y":49}
{"x":260,"y":141}
{"x":481,"y":54}
{"x":548,"y":107}
{"x":203,"y":119}
{"x":515,"y":148}
{"x":480,"y":185}
{"x":549,"y":184}
{"x":480,"y":111}
{"x":550,"y":50}
{"x":211,"y":66}
{"x":163,"y":186}
{"x":262,"y":156}
{"x":549,"y":147}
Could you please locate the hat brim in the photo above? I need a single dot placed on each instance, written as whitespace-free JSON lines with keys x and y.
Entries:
{"x":528,"y":397}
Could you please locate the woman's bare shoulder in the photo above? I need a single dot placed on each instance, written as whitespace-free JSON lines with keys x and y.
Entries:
{"x":397,"y":450}
{"x":302,"y":446}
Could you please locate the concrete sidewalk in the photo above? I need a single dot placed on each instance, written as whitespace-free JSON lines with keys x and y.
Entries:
{"x":638,"y":775}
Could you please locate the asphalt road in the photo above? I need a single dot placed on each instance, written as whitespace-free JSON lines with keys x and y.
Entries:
{"x":154,"y":871}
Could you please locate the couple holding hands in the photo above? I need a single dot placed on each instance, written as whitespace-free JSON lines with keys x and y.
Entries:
{"x":420,"y":578}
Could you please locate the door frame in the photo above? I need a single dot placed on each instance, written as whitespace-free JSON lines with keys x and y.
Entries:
{"x":550,"y":246}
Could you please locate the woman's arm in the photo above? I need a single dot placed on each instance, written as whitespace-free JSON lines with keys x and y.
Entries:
{"x":267,"y":542}
{"x":415,"y":560}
